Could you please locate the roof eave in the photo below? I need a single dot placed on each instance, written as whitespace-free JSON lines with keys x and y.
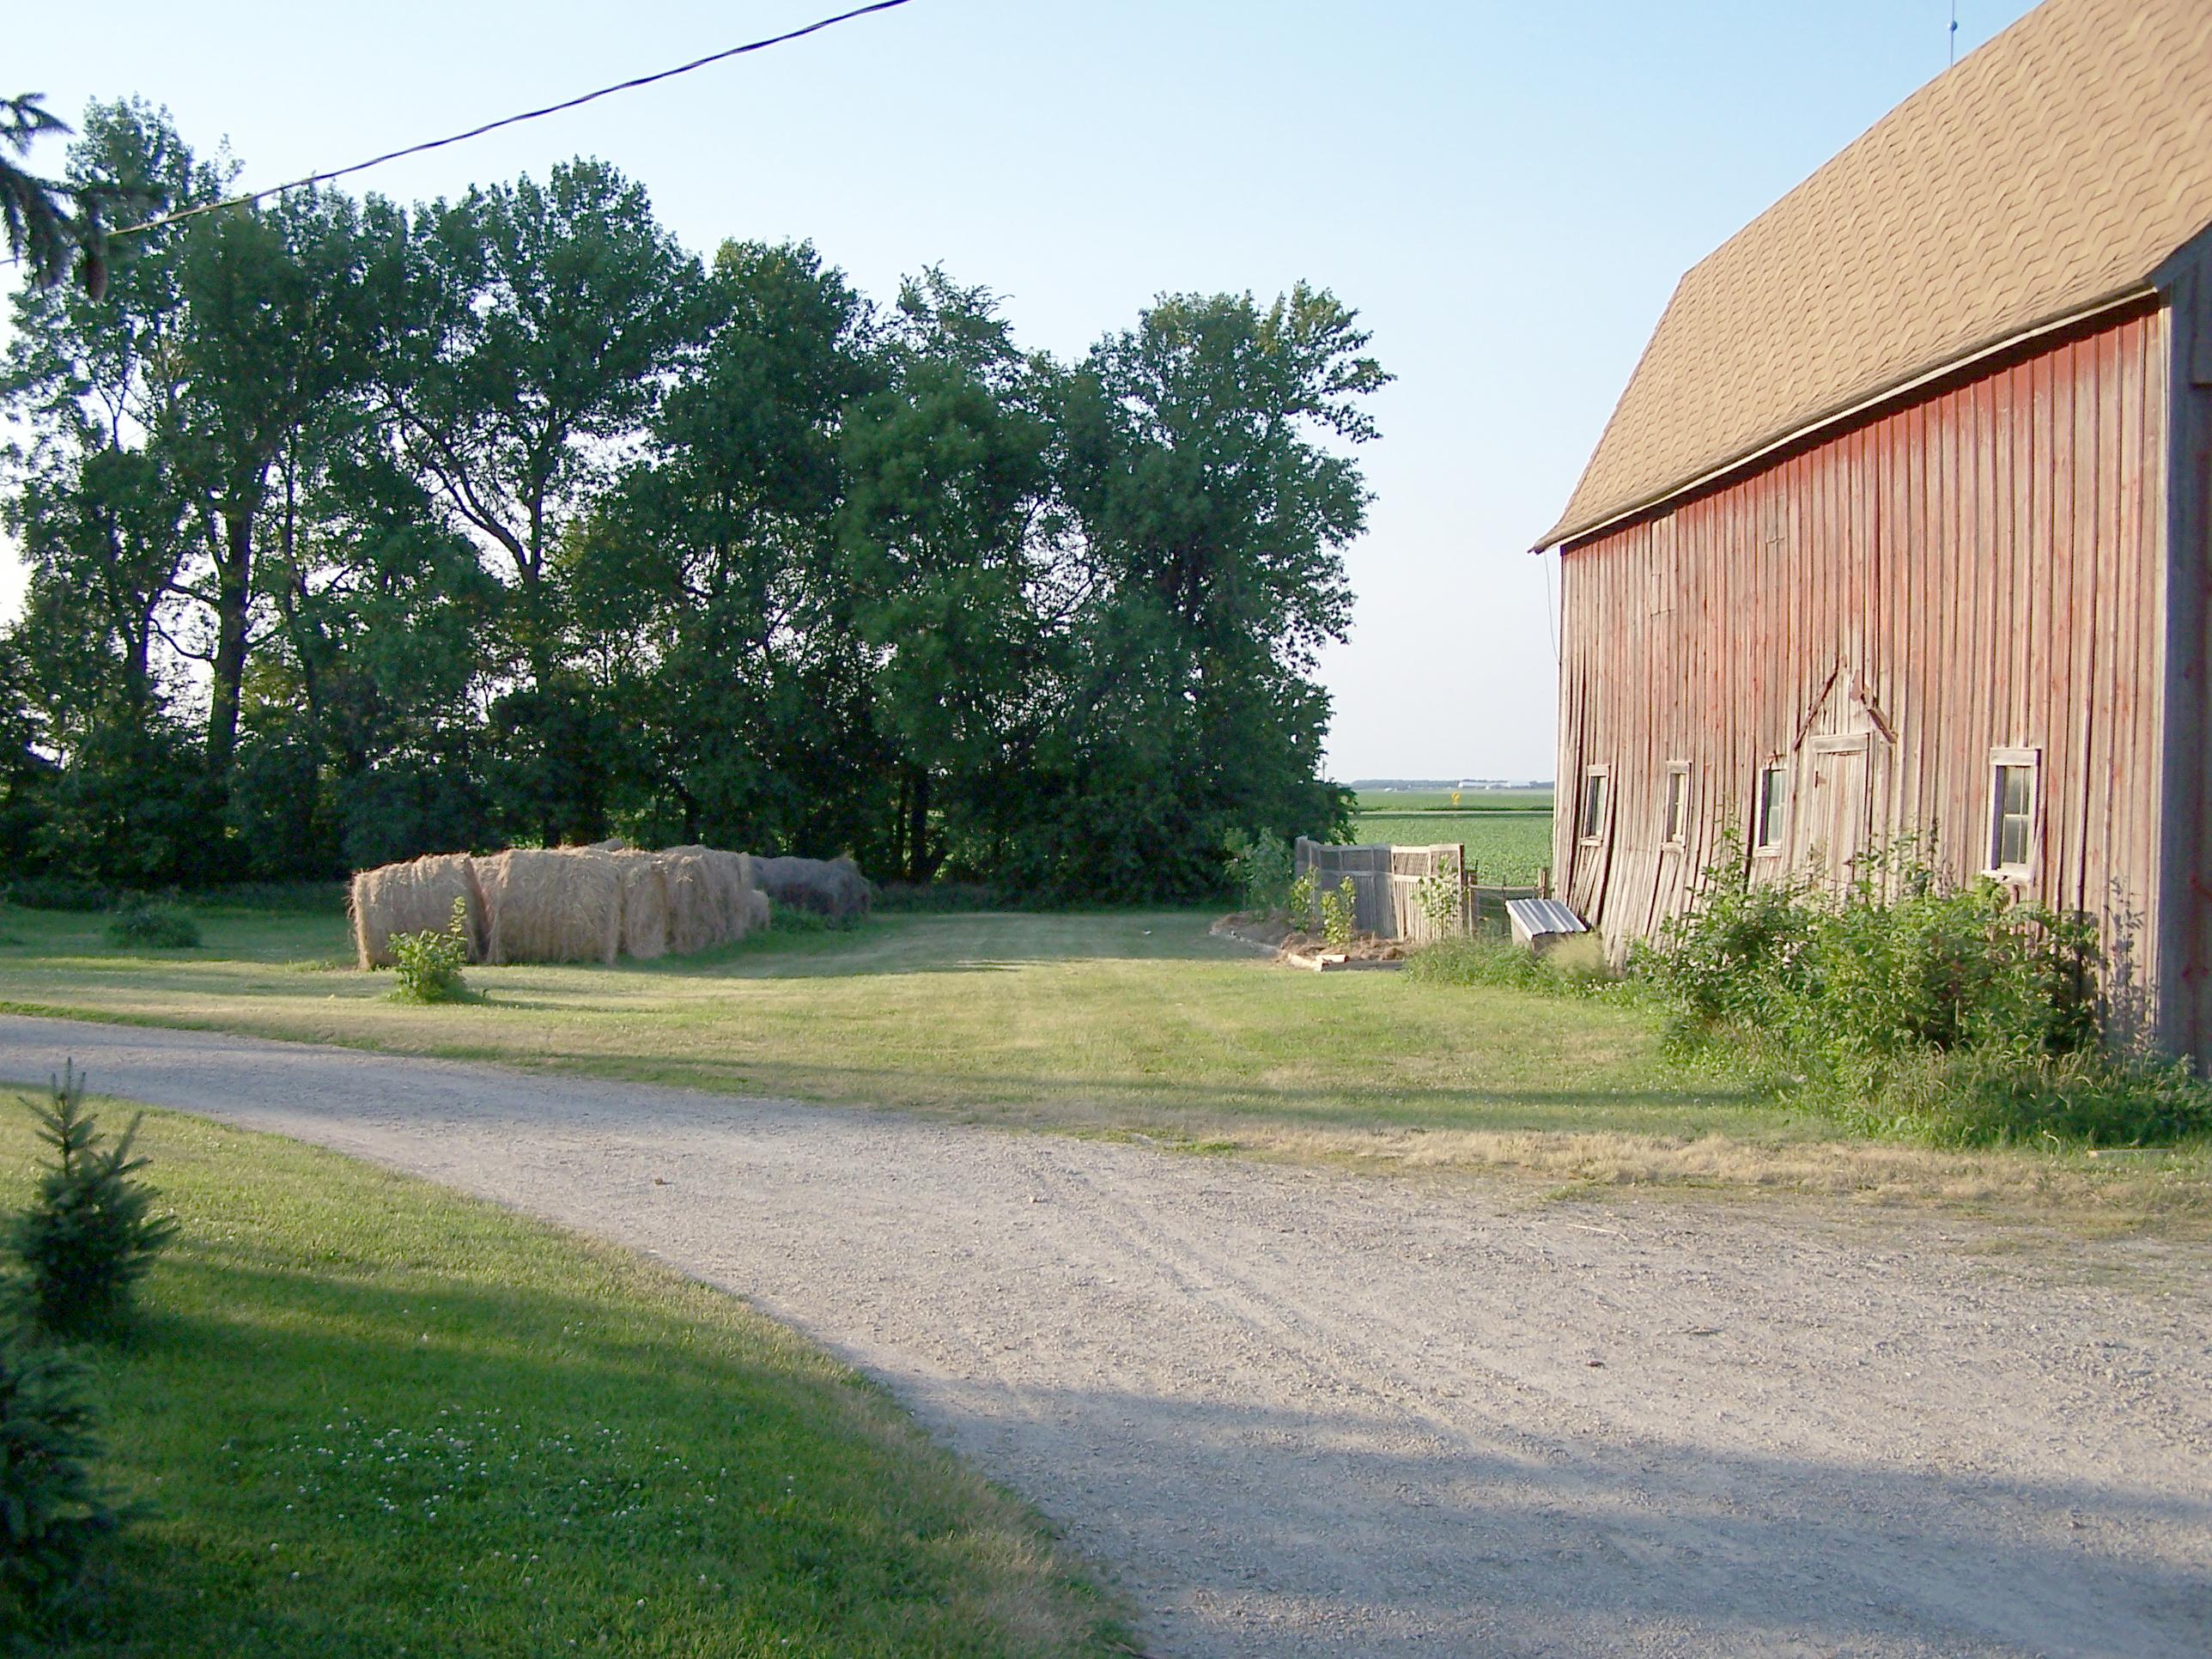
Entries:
{"x":1569,"y":530}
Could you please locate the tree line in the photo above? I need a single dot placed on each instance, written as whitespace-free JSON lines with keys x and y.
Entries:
{"x":357,"y":530}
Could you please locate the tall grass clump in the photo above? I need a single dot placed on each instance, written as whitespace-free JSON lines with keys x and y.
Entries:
{"x":1575,"y":967}
{"x":1912,"y":1006}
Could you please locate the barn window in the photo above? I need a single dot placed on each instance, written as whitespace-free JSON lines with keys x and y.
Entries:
{"x":2015,"y":797}
{"x":1773,"y":804}
{"x":1595,"y":782}
{"x":1677,"y":803}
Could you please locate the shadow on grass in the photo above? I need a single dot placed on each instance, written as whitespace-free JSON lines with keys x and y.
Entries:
{"x":340,"y":1466}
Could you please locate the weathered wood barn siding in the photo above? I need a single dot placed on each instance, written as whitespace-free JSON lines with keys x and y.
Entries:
{"x":1976,"y":566}
{"x":2186,"y":918}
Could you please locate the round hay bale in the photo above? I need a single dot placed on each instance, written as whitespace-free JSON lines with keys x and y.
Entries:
{"x":554,"y":904}
{"x":413,"y":897}
{"x":695,"y":912}
{"x":710,"y":899}
{"x":828,"y":887}
{"x":645,"y":907}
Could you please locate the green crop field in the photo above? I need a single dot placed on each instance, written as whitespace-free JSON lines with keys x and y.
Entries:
{"x":1394,"y":801}
{"x":1505,"y":848}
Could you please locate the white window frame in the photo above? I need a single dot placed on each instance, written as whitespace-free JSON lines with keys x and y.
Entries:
{"x":1677,"y":836}
{"x":1601,"y":776}
{"x":1770,"y":839}
{"x":2001,"y":760}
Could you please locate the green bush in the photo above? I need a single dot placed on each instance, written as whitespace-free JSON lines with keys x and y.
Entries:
{"x":429,"y":964}
{"x":1442,"y":899}
{"x":90,"y":1232}
{"x":1982,"y":1098}
{"x":157,"y":926}
{"x":1339,"y":914}
{"x":1260,"y":869}
{"x":50,"y":1511}
{"x":1911,"y":1005}
{"x":59,"y":893}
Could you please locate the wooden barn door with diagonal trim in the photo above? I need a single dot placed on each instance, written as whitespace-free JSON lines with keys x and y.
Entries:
{"x":1835,"y":818}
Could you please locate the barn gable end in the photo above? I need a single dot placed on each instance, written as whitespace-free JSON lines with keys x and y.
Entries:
{"x":1902,"y":531}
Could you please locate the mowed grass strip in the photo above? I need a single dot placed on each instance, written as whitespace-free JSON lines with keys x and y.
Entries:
{"x":1119,"y":1023}
{"x":1127,"y":1020}
{"x":373,"y":1417}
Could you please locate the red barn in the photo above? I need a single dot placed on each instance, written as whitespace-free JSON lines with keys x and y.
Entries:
{"x":1903,"y":526}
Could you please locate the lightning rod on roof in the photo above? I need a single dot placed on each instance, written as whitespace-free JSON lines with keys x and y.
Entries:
{"x":1954,"y":34}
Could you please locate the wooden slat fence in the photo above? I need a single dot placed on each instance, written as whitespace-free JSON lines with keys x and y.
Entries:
{"x":1388,"y":886}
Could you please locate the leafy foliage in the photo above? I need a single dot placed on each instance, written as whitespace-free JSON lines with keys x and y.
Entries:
{"x":51,"y":1510}
{"x":1339,"y":914}
{"x":1910,"y":1005}
{"x":141,"y":920}
{"x":90,"y":1232}
{"x":506,"y":519}
{"x":1260,"y":868}
{"x":1440,"y":897}
{"x":429,"y":964}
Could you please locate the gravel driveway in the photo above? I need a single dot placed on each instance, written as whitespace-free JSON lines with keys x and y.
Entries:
{"x":1298,"y":1413}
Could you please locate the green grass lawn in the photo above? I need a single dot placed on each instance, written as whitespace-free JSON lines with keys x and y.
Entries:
{"x":1128,"y":1020}
{"x":372,"y":1417}
{"x":1122,"y":1023}
{"x":1505,"y":847}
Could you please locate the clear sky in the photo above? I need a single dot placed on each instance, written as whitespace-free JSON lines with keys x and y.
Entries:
{"x":1507,"y":192}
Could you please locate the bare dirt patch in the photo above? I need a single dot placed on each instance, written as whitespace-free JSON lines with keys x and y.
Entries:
{"x":1304,"y":1413}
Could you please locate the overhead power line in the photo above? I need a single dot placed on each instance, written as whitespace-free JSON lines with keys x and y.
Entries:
{"x":507,"y":121}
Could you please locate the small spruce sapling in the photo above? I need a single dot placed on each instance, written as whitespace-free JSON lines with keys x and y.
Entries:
{"x":50,"y":1510}
{"x":90,"y":1232}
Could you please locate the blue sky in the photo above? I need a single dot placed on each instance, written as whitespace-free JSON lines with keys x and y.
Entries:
{"x":1506,"y":192}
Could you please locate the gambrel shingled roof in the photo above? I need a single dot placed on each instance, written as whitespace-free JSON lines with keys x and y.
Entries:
{"x":2051,"y":171}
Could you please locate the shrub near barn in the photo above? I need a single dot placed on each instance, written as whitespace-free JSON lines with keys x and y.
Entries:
{"x":1908,"y":1004}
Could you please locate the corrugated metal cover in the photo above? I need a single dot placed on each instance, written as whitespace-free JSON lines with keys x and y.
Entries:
{"x":1542,"y":915}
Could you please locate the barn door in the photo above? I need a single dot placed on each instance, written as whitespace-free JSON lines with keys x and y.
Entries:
{"x":1835,"y":818}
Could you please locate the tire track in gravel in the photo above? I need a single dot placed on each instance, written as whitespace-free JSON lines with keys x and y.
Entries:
{"x":1296,"y":1413}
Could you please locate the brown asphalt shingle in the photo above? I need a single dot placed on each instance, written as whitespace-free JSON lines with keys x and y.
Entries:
{"x":2058,"y":166}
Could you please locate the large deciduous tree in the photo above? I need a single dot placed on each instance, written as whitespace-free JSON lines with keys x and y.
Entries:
{"x":948,"y":489}
{"x":536,"y":333}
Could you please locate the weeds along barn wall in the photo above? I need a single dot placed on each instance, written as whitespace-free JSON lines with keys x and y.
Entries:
{"x":1978,"y":567}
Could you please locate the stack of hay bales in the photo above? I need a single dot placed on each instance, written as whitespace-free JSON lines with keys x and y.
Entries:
{"x":564,"y":904}
{"x":414,"y":898}
{"x":828,"y":887}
